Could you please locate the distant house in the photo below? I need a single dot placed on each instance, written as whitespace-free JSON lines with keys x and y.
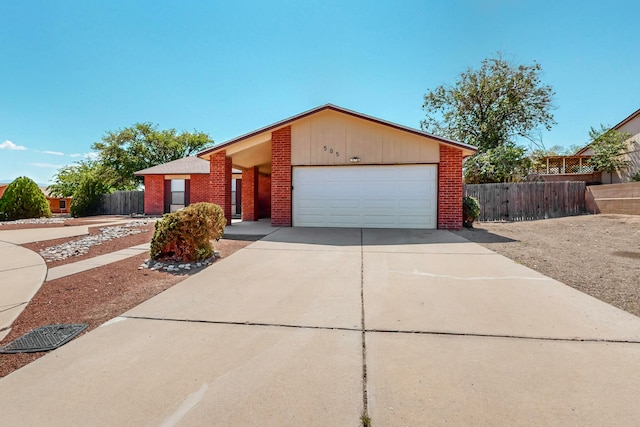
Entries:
{"x":56,"y":204}
{"x":576,"y":167}
{"x":631,"y":125}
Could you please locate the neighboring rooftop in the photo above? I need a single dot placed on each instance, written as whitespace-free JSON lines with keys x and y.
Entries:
{"x":184,"y":166}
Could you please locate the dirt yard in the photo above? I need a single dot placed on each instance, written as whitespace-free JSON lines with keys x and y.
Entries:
{"x":596,"y":254}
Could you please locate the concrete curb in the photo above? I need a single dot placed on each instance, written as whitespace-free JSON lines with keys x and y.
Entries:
{"x":22,"y":272}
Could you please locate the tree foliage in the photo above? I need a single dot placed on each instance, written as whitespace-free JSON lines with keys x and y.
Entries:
{"x":23,"y":199}
{"x":85,"y":183}
{"x":555,"y":151}
{"x":608,"y":146}
{"x":87,"y":197}
{"x":123,"y":152}
{"x":68,"y":178}
{"x":491,"y":106}
{"x":505,"y":163}
{"x":120,"y":154}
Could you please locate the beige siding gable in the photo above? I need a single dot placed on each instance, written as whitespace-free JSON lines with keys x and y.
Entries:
{"x":332,"y":138}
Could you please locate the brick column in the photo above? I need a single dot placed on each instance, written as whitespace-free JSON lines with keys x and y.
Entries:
{"x":450,"y":189}
{"x":250,"y":194}
{"x":220,"y":182}
{"x":154,"y":194}
{"x":281,"y":177}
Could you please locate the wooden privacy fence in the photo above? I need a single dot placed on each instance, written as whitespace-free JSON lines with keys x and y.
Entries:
{"x":123,"y":203}
{"x":526,"y":201}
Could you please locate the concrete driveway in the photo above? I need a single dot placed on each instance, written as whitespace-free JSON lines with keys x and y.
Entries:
{"x":318,"y":326}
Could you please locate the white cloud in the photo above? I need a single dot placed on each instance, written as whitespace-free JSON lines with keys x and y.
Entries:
{"x":55,"y":153}
{"x":91,"y":155}
{"x":45,"y":165}
{"x":8,"y":145}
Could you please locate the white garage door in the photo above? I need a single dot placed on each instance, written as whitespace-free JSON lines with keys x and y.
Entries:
{"x":365,"y":196}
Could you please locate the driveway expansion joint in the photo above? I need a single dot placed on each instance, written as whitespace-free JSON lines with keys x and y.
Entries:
{"x":11,"y":307}
{"x":517,"y":337}
{"x":21,"y":267}
{"x":365,"y":398}
{"x":221,"y":322}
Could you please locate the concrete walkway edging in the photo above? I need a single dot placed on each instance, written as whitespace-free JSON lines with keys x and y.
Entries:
{"x":22,"y":272}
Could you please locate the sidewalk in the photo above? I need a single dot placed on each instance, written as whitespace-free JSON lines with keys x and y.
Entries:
{"x":21,"y":274}
{"x":98,"y":261}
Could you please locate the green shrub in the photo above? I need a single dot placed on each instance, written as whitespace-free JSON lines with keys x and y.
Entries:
{"x":186,"y":235}
{"x":87,"y":198}
{"x":470,"y":211}
{"x":23,"y":199}
{"x":636,"y":177}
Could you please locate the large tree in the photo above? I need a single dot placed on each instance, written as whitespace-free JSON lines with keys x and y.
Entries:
{"x":491,"y":106}
{"x":86,"y":182}
{"x":123,"y":152}
{"x":68,"y":178}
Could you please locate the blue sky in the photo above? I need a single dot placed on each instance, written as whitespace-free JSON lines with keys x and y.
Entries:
{"x":72,"y":70}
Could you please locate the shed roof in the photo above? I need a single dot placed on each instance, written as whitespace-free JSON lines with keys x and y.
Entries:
{"x":184,"y":166}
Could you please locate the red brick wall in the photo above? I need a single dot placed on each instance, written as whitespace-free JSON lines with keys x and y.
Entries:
{"x":450,"y":189}
{"x":264,"y":196}
{"x":220,"y":182}
{"x":250,"y":194}
{"x":199,"y":191}
{"x":281,"y":177}
{"x":154,"y":194}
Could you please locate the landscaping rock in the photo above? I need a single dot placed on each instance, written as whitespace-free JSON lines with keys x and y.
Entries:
{"x":81,"y":246}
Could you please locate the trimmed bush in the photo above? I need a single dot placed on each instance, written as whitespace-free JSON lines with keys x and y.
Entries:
{"x":470,"y":211}
{"x":186,"y":235}
{"x":23,"y":199}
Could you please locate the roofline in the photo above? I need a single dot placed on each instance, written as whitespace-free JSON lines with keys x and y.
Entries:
{"x":616,"y":127}
{"x":340,"y":110}
{"x":627,"y":120}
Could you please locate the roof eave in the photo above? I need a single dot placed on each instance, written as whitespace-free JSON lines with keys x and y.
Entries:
{"x":465,"y":147}
{"x":627,"y":119}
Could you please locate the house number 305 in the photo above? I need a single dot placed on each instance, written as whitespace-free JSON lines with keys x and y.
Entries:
{"x":330,"y":150}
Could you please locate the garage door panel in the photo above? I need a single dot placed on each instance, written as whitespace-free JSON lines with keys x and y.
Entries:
{"x":379,"y":204}
{"x":344,"y":221}
{"x":365,"y":196}
{"x":415,"y":204}
{"x":380,"y":220}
